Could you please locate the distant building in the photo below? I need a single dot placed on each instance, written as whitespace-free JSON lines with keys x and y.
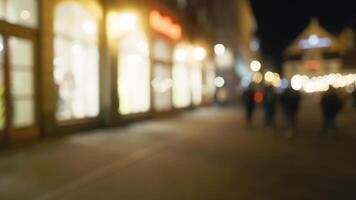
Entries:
{"x":233,"y":25}
{"x":316,"y":52}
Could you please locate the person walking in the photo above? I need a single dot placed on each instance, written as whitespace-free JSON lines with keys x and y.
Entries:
{"x":331,"y":105}
{"x":354,"y":99}
{"x":269,"y":105}
{"x":290,"y":101}
{"x":249,"y":103}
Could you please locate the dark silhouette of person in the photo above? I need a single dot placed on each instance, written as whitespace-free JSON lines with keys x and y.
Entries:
{"x":269,"y":105}
{"x":331,"y":105}
{"x":354,"y":99}
{"x":290,"y":101}
{"x":249,"y":103}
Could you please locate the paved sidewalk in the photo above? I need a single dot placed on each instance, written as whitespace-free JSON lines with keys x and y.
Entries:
{"x":205,"y":154}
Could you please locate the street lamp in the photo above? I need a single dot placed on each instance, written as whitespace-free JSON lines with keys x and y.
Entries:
{"x":255,"y":66}
{"x":219,"y":49}
{"x":199,"y":53}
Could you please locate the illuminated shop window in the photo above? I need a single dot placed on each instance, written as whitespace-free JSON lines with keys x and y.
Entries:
{"x":2,"y":85}
{"x":22,"y":12}
{"x":162,"y":82}
{"x":197,"y":83}
{"x":162,"y":50}
{"x":76,"y":62}
{"x":22,"y":82}
{"x":181,"y":78}
{"x":209,"y":84}
{"x":133,"y":68}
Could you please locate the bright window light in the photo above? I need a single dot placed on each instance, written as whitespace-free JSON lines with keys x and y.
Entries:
{"x":219,"y":49}
{"x":219,"y":82}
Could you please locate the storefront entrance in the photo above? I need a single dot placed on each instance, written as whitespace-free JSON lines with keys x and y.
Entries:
{"x":18,"y":115}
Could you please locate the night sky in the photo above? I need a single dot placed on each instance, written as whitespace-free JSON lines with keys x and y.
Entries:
{"x":281,"y":21}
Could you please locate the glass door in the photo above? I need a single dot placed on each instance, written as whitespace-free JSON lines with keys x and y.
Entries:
{"x":17,"y":88}
{"x":22,"y":96}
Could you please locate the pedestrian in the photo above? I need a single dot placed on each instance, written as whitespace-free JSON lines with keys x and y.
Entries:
{"x":331,"y":105}
{"x":354,"y":99}
{"x":249,"y":103}
{"x":269,"y":105}
{"x":290,"y":101}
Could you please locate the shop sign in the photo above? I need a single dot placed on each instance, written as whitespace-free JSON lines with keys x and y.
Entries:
{"x":165,"y":25}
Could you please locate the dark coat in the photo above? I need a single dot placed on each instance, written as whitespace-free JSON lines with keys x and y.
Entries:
{"x":290,"y":100}
{"x":331,"y":104}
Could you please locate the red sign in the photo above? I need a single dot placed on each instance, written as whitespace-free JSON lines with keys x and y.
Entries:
{"x":165,"y":25}
{"x":312,"y":65}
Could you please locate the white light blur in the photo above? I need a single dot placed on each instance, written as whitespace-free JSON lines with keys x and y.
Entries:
{"x":269,"y":76}
{"x":314,"y":41}
{"x":297,"y":82}
{"x":25,"y":14}
{"x":323,"y":83}
{"x":255,"y":66}
{"x":219,"y":49}
{"x":119,"y":23}
{"x":219,"y":82}
{"x":89,"y":27}
{"x":1,"y":47}
{"x":199,"y":53}
{"x":162,"y":85}
{"x":180,"y":54}
{"x":134,"y":59}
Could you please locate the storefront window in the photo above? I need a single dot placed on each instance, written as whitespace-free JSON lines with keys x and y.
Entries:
{"x":133,"y":71}
{"x":197,"y":83}
{"x":76,"y":62}
{"x":22,"y":82}
{"x":209,"y":83}
{"x":181,"y":78}
{"x":19,"y":12}
{"x":162,"y":82}
{"x":2,"y":85}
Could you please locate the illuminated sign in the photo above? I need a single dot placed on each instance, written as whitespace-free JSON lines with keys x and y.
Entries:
{"x":314,"y":41}
{"x":165,"y":25}
{"x":312,"y":65}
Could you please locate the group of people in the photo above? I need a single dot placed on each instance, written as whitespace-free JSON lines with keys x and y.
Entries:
{"x":289,"y":101}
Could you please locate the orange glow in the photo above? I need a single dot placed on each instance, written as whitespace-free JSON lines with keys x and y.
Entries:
{"x":258,"y":97}
{"x":165,"y":25}
{"x":312,"y":65}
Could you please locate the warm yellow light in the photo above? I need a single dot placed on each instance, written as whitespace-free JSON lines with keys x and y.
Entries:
{"x":276,"y":82}
{"x":25,"y":14}
{"x":255,"y":66}
{"x":199,"y":53}
{"x":180,"y":55}
{"x":269,"y":76}
{"x":119,"y":23}
{"x":89,"y":27}
{"x":257,"y":77}
{"x":297,"y":82}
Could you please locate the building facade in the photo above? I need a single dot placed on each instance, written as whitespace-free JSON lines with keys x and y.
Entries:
{"x":74,"y":65}
{"x":235,"y":27}
{"x":316,"y":52}
{"x":318,"y":60}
